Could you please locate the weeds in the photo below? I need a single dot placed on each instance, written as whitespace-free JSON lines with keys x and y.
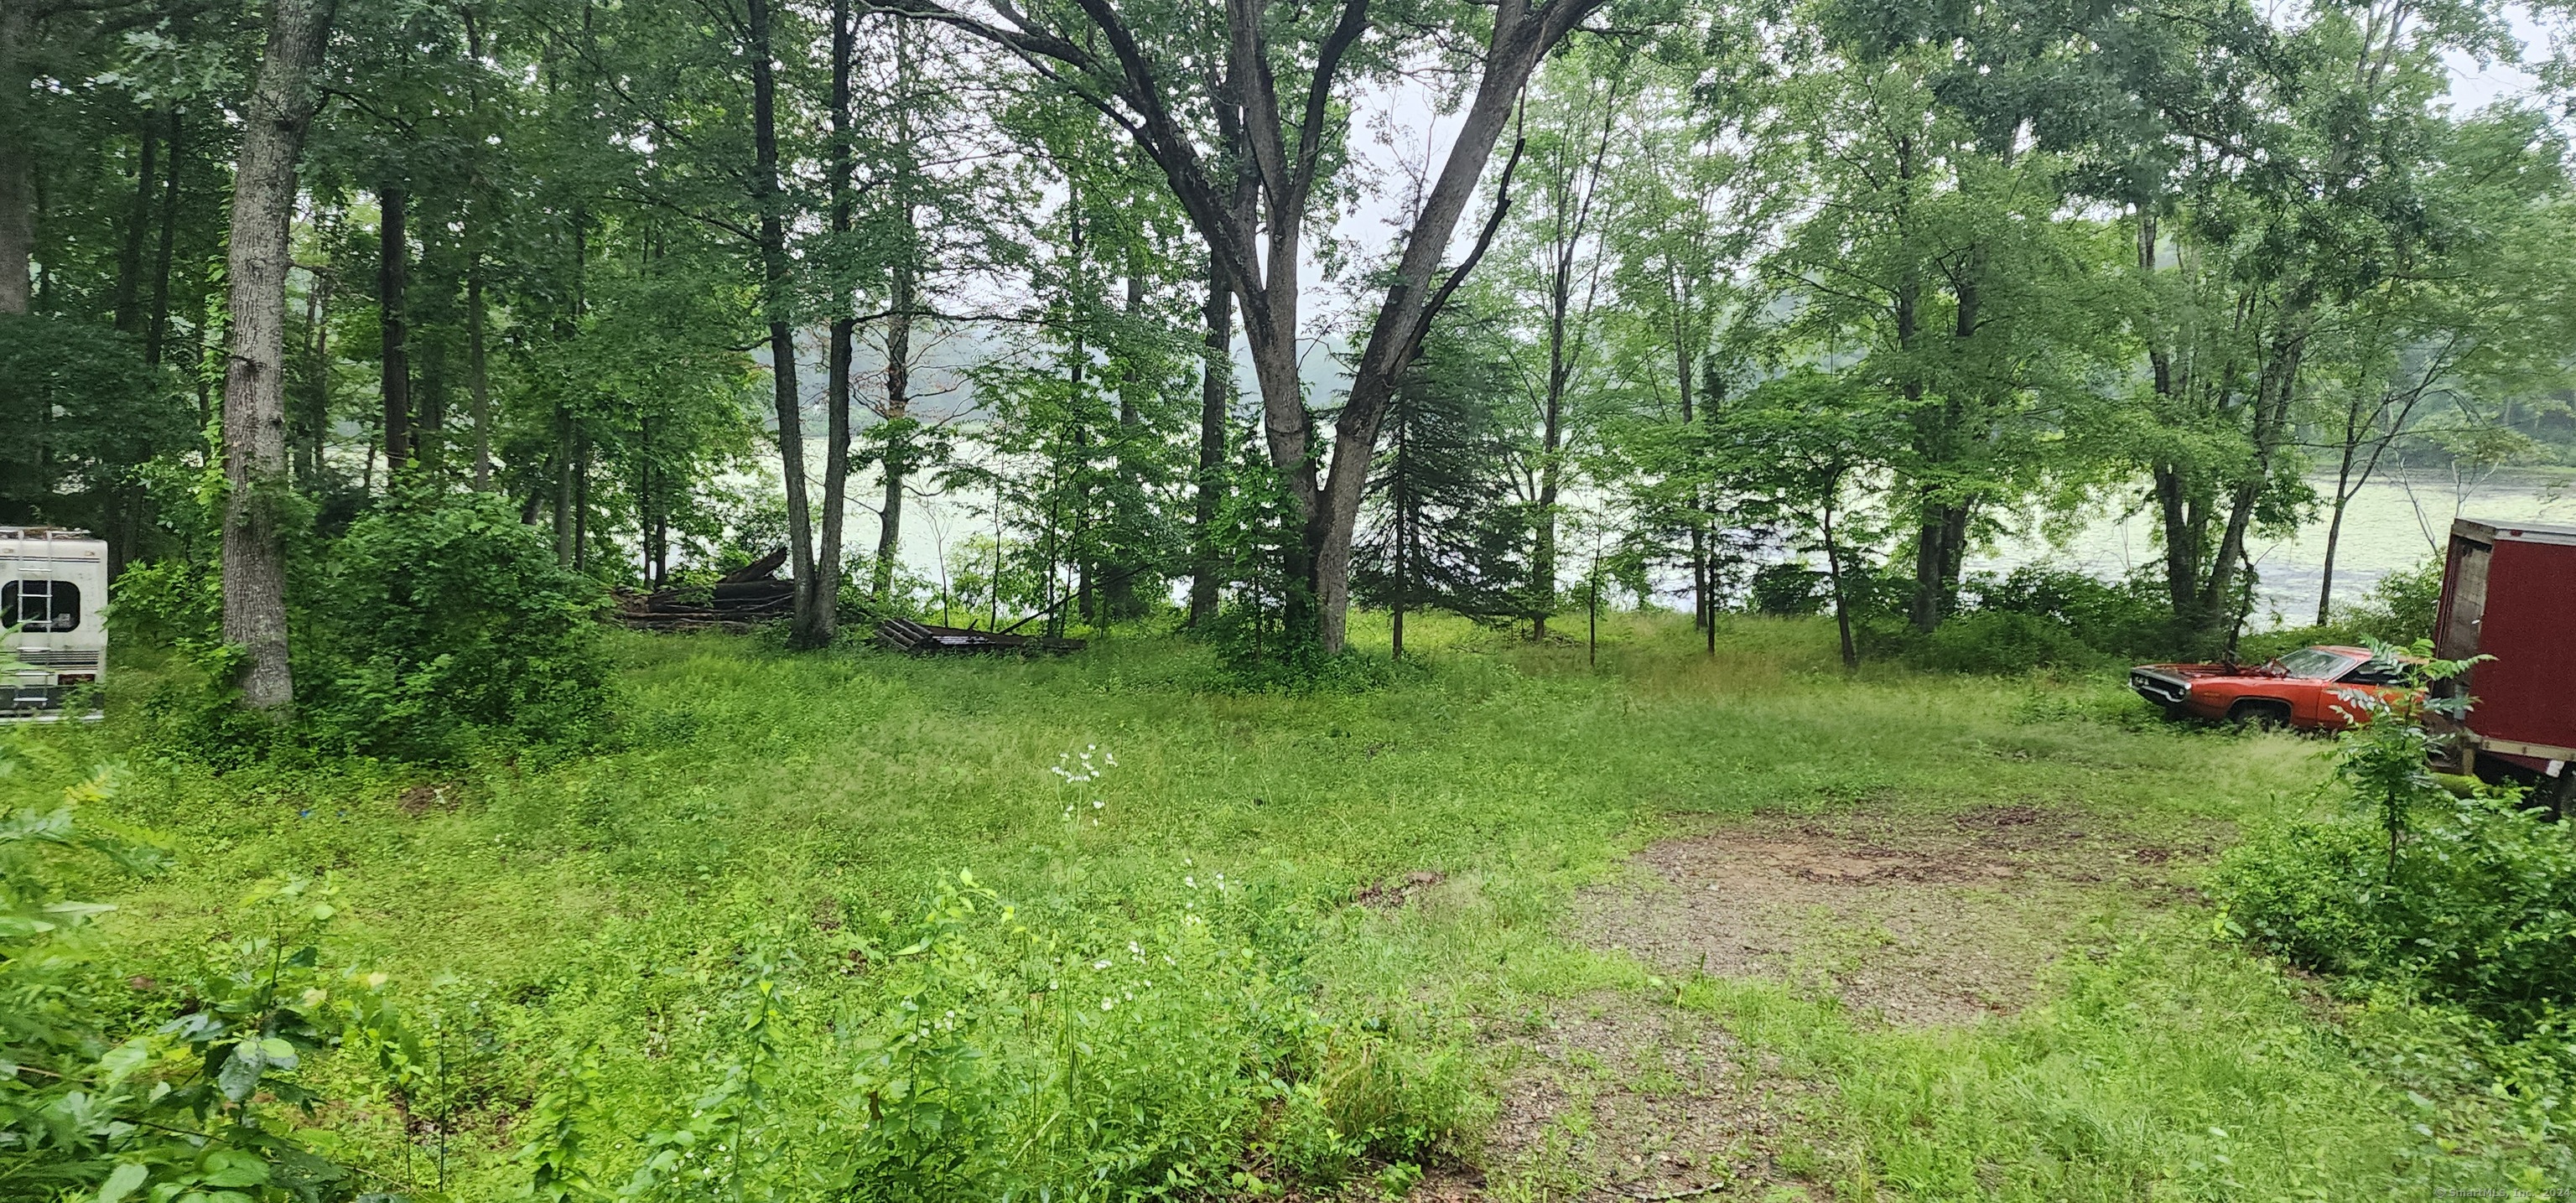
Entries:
{"x":734,"y":943}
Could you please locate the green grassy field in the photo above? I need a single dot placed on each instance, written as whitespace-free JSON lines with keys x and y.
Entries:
{"x":747,"y":916}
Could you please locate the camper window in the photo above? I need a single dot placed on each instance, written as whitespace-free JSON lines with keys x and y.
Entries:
{"x":40,"y":605}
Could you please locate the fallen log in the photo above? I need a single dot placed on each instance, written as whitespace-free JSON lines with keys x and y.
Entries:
{"x":760,"y":569}
{"x":924,"y":639}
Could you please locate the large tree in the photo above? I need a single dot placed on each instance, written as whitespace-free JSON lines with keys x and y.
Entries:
{"x":1185,"y":91}
{"x":280,"y":107}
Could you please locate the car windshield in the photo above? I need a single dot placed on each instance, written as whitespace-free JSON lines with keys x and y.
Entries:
{"x":2311,"y":663}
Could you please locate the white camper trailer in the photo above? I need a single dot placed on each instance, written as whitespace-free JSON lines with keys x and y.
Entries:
{"x":53,"y":630}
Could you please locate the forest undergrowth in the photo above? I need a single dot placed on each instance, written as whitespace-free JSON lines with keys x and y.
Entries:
{"x":857,"y":926}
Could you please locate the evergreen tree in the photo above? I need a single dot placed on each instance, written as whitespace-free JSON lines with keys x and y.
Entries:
{"x":1440,"y":534}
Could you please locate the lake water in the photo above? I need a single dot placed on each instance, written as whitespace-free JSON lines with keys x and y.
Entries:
{"x":2393,"y":523}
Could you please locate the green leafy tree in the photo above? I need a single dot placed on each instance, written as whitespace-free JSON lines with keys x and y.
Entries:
{"x":1798,"y":449}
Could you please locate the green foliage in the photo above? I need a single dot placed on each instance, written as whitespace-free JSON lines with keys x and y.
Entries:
{"x":109,"y":1097}
{"x":1266,"y":630}
{"x":89,"y":414}
{"x":1438,"y":534}
{"x":2477,"y":913}
{"x":440,"y":618}
{"x":176,"y":601}
{"x":2461,"y":906}
{"x":2041,"y":617}
{"x":2400,"y":609}
{"x":1788,"y":590}
{"x":2002,"y":641}
{"x":1010,"y":1053}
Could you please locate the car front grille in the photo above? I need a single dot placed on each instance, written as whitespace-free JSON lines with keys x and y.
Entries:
{"x":2159,"y":688}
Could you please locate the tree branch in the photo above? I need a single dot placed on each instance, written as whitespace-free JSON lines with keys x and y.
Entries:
{"x":1484,"y":239}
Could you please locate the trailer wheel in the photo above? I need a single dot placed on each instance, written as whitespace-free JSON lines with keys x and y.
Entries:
{"x":2555,"y":794}
{"x":2262,"y":713}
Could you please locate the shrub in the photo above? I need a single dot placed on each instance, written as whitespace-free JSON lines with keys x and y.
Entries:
{"x":2118,"y":618}
{"x":2467,"y":898}
{"x":1789,"y":590}
{"x":2481,"y":909}
{"x":441,"y":617}
{"x":2000,"y":641}
{"x":2401,"y":607}
{"x":173,"y":602}
{"x":101,"y":1102}
{"x":1008,"y":1054}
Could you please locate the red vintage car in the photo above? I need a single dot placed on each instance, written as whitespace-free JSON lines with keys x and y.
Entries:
{"x":2312,"y":688}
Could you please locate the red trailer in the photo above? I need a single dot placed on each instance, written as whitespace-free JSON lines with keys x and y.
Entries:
{"x":2509,"y":591}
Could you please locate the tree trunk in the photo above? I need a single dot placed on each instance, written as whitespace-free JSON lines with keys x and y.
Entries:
{"x":393,"y":254}
{"x":477,"y":376}
{"x":809,"y":628}
{"x":433,"y":303}
{"x":1283,"y":159}
{"x":1124,"y":568}
{"x":1216,"y":396}
{"x":138,"y":222}
{"x":898,"y":437}
{"x":17,"y":166}
{"x":581,"y":499}
{"x":563,"y":499}
{"x":274,"y":119}
{"x":1842,"y":603}
{"x":2334,"y":528}
{"x":1551,"y":440}
{"x":2325,"y":583}
{"x":1403,"y":538}
{"x":825,"y":588}
{"x":2275,"y":388}
{"x":159,"y":329}
{"x":1520,"y":35}
{"x":2185,"y":529}
{"x":565,"y":525}
{"x":2184,"y":520}
{"x":644,"y":494}
{"x":317,"y":408}
{"x":902,"y":299}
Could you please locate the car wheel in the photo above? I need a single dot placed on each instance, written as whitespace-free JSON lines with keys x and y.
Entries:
{"x":2260,"y":713}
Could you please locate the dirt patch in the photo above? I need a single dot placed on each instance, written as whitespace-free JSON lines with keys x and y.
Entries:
{"x":1627,"y":1102}
{"x":424,"y":798}
{"x":1915,"y":919}
{"x":1921,"y":920}
{"x":1393,"y":892}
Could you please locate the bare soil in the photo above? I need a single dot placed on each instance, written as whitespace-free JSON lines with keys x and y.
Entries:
{"x":1907,"y":919}
{"x":1628,"y":1101}
{"x":1919,"y":920}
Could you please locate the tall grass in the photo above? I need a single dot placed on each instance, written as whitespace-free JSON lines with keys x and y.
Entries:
{"x":711,"y":916}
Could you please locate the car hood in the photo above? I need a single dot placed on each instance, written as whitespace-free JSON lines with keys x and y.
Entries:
{"x":2201,"y":672}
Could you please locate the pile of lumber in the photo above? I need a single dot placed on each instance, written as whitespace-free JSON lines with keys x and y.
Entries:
{"x":749,"y":594}
{"x":923,"y":639}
